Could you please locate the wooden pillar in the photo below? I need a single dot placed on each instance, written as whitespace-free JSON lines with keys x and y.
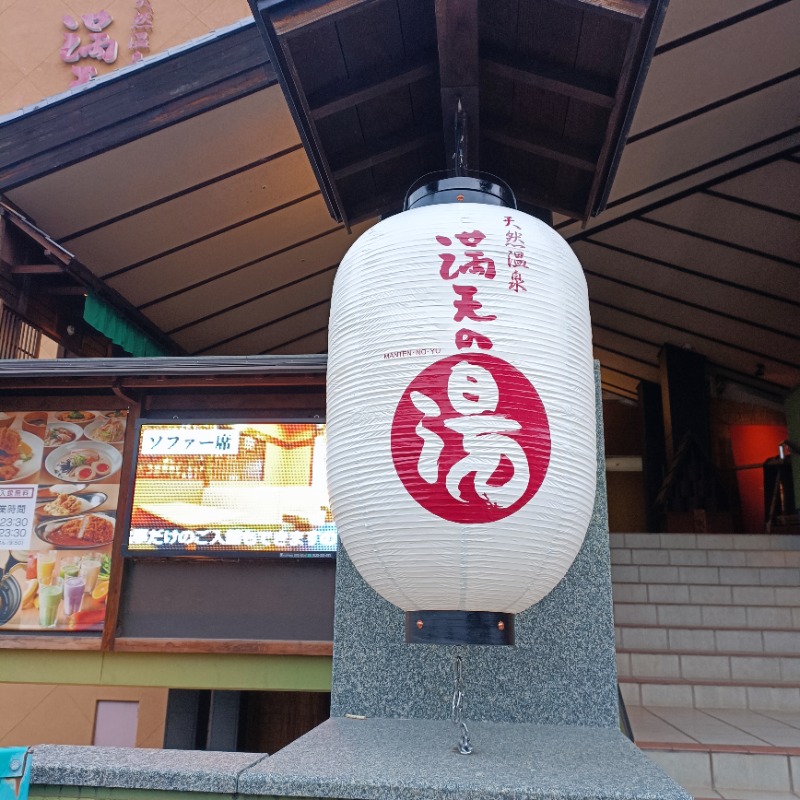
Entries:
{"x":654,"y":456}
{"x":685,"y":398}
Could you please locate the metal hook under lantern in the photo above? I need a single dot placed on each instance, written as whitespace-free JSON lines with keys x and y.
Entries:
{"x":461,"y":422}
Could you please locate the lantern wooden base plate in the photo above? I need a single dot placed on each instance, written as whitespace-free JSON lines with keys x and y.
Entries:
{"x":459,"y":627}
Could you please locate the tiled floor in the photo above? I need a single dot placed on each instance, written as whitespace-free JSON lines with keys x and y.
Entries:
{"x":735,"y":728}
{"x":703,"y":741}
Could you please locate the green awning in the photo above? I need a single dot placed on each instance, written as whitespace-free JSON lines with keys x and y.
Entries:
{"x":107,"y":321}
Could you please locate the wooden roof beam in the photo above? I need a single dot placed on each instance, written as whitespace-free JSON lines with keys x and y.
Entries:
{"x":37,"y":269}
{"x":354,"y":91}
{"x":553,"y":79}
{"x":635,"y":9}
{"x":388,"y":149}
{"x":543,"y":145}
{"x":457,"y":36}
{"x":301,"y":16}
{"x":616,"y":119}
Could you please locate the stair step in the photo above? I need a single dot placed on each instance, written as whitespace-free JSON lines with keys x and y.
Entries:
{"x":716,"y":694}
{"x":730,"y":773}
{"x":705,"y":558}
{"x":704,"y":594}
{"x":707,"y":640}
{"x":686,"y":741}
{"x":710,"y":576}
{"x":765,"y":668}
{"x":704,"y":541}
{"x":711,"y":616}
{"x":708,"y":656}
{"x":704,"y":729}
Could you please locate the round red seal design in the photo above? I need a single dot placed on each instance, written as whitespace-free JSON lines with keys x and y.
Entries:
{"x":470,"y":439}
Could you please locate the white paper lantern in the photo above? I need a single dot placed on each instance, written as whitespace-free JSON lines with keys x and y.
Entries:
{"x":461,"y":408}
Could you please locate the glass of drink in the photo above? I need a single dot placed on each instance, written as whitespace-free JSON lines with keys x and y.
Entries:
{"x":45,"y":564}
{"x":30,"y":567}
{"x":90,"y":569}
{"x":49,"y":599}
{"x":73,"y":594}
{"x":70,"y":566}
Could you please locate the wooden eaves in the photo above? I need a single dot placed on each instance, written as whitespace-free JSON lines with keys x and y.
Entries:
{"x":547,"y":87}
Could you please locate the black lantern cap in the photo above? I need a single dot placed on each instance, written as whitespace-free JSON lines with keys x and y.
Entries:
{"x":459,"y":627}
{"x":447,"y":187}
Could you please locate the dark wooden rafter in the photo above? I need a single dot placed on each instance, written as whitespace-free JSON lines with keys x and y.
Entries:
{"x":636,"y":9}
{"x":281,"y":60}
{"x":603,"y":348}
{"x":383,"y":151}
{"x":457,"y":37}
{"x":36,"y":269}
{"x":353,"y":92}
{"x":641,"y":45}
{"x":617,"y":114}
{"x":552,"y":78}
{"x":67,"y":291}
{"x":617,"y":373}
{"x":547,"y":146}
{"x":292,"y":19}
{"x":617,"y":390}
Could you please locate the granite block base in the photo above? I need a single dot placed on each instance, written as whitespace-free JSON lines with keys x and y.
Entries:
{"x":415,"y":759}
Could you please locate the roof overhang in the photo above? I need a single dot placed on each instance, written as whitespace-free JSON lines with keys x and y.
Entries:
{"x":180,"y":190}
{"x":539,"y":93}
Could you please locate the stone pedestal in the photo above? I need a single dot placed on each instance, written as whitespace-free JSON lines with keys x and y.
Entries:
{"x":543,"y":714}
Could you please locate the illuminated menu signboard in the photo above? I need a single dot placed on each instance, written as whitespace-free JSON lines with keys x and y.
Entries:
{"x":59,"y":489}
{"x":231,"y":489}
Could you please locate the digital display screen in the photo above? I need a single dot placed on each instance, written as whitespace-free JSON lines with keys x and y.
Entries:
{"x":237,"y":489}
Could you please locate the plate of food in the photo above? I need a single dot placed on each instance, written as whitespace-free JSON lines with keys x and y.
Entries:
{"x":68,"y":505}
{"x":117,"y":413}
{"x":6,"y":419}
{"x":54,"y":490}
{"x":84,"y":532}
{"x":110,"y":430}
{"x":83,"y":462}
{"x":20,"y":455}
{"x":77,"y":417}
{"x":58,"y":433}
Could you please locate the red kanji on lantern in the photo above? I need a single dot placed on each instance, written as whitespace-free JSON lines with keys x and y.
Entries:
{"x":467,"y":306}
{"x":470,"y":439}
{"x":465,"y":338}
{"x":477,"y":263}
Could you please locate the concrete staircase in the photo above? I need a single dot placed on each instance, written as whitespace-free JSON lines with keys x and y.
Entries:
{"x":708,"y":643}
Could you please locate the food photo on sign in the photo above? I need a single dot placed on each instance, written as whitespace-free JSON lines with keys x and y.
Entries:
{"x":59,"y":490}
{"x":231,"y":488}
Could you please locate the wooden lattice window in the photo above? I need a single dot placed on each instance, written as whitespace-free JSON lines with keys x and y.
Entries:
{"x":17,"y":338}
